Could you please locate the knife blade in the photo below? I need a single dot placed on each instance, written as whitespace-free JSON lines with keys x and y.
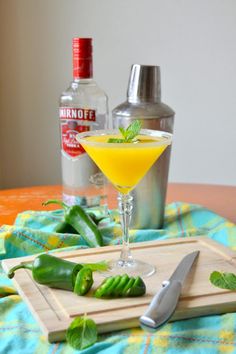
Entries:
{"x":165,"y":301}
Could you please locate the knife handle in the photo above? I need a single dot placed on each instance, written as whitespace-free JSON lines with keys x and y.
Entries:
{"x":162,"y":305}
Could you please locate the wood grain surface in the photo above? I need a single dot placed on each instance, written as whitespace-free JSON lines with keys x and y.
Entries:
{"x":55,"y":309}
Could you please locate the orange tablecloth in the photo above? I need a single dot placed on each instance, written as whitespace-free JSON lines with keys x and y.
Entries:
{"x":220,"y":199}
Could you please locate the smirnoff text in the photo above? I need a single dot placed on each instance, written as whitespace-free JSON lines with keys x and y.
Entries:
{"x":78,"y":114}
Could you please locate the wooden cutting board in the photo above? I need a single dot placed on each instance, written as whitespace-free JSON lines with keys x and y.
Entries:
{"x":55,"y":309}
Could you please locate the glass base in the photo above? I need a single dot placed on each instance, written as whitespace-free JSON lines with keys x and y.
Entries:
{"x":131,"y":267}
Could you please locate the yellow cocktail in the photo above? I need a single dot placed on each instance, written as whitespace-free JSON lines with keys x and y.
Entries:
{"x":134,"y":159}
{"x":124,"y":164}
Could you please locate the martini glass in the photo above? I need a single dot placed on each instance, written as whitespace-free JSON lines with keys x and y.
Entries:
{"x":124,"y":164}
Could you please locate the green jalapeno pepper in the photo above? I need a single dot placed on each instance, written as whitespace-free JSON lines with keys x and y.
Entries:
{"x":77,"y":218}
{"x":81,"y":222}
{"x":51,"y":271}
{"x":65,"y":228}
{"x":59,"y":273}
{"x":84,"y":281}
{"x":121,"y":286}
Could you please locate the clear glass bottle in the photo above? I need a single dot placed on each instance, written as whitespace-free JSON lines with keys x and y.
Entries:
{"x":83,"y":107}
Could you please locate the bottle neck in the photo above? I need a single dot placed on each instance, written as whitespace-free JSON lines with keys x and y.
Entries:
{"x":82,"y":58}
{"x":82,"y":68}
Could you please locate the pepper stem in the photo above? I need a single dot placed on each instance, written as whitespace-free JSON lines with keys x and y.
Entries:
{"x":55,"y":201}
{"x":11,"y":272}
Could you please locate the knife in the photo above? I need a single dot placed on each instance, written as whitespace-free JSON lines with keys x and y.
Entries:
{"x":165,"y":301}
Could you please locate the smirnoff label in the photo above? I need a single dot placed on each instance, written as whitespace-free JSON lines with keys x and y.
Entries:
{"x":74,"y":121}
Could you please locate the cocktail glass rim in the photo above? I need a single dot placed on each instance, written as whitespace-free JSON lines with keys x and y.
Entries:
{"x":146,"y":132}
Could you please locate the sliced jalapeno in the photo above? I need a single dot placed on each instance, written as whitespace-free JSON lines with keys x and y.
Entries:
{"x":128,"y":286}
{"x":123,"y":281}
{"x":101,"y":291}
{"x":113,"y":285}
{"x":84,"y":281}
{"x":137,"y":289}
{"x":118,"y":286}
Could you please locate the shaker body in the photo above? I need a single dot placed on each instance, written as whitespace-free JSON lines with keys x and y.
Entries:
{"x":150,"y":194}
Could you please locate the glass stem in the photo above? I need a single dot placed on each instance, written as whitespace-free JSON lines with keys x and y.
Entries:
{"x":125,"y":204}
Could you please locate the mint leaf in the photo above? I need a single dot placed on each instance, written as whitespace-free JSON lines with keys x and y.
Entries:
{"x":129,"y":134}
{"x":133,"y":130}
{"x":82,"y":333}
{"x":223,"y":280}
{"x":122,"y":130}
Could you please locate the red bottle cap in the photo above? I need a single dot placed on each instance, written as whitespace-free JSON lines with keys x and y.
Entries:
{"x":82,"y":58}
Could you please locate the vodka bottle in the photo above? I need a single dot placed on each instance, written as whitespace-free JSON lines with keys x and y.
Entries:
{"x":83,"y":107}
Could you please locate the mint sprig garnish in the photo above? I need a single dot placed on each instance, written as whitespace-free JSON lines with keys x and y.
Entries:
{"x":82,"y":333}
{"x":132,"y":131}
{"x":129,"y":134}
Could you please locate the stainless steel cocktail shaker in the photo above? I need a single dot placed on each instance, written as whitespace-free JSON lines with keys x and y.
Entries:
{"x":144,"y":103}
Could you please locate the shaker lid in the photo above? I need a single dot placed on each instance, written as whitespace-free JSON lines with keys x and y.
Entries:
{"x":144,"y":83}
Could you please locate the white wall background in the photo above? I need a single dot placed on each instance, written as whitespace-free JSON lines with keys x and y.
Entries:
{"x":194,"y":42}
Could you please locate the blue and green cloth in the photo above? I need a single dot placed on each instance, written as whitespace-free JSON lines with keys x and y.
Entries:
{"x":33,"y":233}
